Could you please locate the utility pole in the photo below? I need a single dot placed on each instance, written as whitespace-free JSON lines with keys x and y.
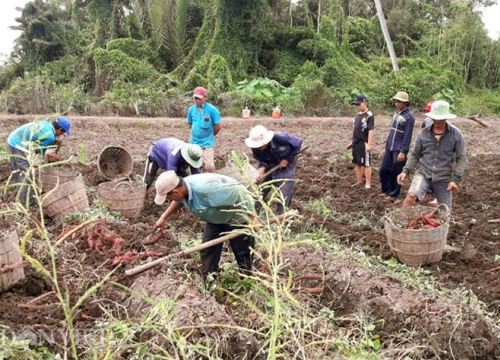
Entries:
{"x":387,"y":37}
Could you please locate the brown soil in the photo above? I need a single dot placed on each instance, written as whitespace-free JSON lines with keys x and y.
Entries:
{"x":441,"y":327}
{"x":325,"y":175}
{"x":193,"y":310}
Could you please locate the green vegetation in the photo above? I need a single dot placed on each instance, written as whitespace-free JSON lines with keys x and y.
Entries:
{"x":143,"y":57}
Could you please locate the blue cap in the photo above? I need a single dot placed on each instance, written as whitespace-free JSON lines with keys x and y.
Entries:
{"x":65,"y":124}
{"x":359,"y":99}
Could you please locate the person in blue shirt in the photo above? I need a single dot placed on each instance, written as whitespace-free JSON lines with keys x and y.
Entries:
{"x":36,"y":136}
{"x":205,"y":122}
{"x":172,"y":154}
{"x":397,"y":146}
{"x":221,"y":201}
{"x":271,"y":149}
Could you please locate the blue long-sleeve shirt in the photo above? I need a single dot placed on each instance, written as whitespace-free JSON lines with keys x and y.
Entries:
{"x":36,"y":135}
{"x":217,"y":198}
{"x":282,"y":146}
{"x":167,"y":154}
{"x":399,"y":138}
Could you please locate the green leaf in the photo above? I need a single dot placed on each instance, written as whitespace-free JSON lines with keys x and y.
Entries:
{"x":392,"y":262}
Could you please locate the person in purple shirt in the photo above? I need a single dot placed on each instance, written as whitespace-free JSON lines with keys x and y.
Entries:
{"x":172,"y":154}
{"x":270,"y":149}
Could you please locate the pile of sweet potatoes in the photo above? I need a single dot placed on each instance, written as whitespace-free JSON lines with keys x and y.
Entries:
{"x":427,"y":221}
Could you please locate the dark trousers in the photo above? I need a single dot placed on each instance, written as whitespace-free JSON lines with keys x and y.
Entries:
{"x":20,"y":166}
{"x":389,"y":171}
{"x":285,"y":186}
{"x":240,"y":246}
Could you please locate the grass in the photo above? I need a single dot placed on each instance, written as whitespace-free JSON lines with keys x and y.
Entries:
{"x":265,"y":305}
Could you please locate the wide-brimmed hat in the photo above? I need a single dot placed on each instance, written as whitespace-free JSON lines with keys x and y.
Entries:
{"x":401,"y":96}
{"x":193,"y":154}
{"x":440,"y":110}
{"x":259,"y":136}
{"x":166,"y":182}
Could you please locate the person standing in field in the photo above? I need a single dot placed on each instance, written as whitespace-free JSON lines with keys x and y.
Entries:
{"x":439,"y":158}
{"x":427,"y":120}
{"x":205,"y":122}
{"x":362,"y":141}
{"x":397,"y":146}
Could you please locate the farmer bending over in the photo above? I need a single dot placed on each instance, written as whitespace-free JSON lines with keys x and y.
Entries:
{"x":440,"y":155}
{"x":172,"y":154}
{"x":362,"y":141}
{"x":37,"y":137}
{"x":272,"y":149}
{"x":205,"y":122}
{"x":219,"y":200}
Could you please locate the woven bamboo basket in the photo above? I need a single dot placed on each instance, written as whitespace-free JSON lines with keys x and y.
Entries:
{"x":67,"y":198}
{"x":51,"y":177}
{"x":10,"y":255}
{"x":126,"y":197}
{"x":115,"y":163}
{"x":416,"y":247}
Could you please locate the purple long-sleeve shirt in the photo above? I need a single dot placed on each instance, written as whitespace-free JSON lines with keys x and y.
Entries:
{"x":282,"y":146}
{"x":167,"y":154}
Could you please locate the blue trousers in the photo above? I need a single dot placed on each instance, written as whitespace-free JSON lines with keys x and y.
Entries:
{"x":389,"y":171}
{"x":285,"y":186}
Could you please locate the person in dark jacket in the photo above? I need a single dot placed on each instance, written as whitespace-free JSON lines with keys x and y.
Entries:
{"x":270,"y":149}
{"x":397,"y":146}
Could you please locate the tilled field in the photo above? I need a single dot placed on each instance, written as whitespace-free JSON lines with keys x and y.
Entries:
{"x":326,"y":201}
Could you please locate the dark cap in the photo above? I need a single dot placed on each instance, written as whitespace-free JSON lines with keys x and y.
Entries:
{"x":359,"y":99}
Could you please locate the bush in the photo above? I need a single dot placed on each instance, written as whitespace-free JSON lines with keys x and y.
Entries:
{"x":318,"y":49}
{"x":283,"y":65}
{"x":137,"y":49}
{"x":60,"y":71}
{"x":114,"y":65}
{"x":475,"y":101}
{"x":313,"y":93}
{"x":421,"y":78}
{"x":71,"y":98}
{"x":29,"y":95}
{"x":218,"y":75}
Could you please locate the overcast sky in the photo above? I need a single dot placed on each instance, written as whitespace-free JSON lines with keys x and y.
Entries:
{"x":8,"y":12}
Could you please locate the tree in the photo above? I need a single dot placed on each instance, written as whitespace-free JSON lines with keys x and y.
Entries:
{"x":387,"y":37}
{"x":42,"y":36}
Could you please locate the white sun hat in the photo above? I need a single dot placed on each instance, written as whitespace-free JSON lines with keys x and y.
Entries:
{"x":440,"y":110}
{"x":166,"y":182}
{"x":259,"y":136}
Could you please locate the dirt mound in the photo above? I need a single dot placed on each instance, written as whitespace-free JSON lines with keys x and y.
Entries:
{"x":443,"y":327}
{"x":193,"y":309}
{"x":356,"y":215}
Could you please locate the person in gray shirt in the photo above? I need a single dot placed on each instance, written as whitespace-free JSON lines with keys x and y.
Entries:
{"x":438,"y":156}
